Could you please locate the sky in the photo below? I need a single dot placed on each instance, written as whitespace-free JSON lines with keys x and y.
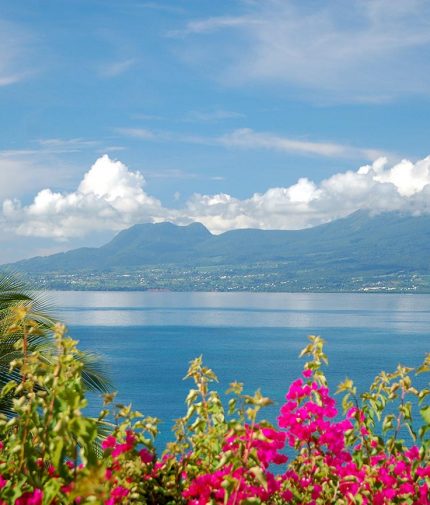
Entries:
{"x":274,"y":114}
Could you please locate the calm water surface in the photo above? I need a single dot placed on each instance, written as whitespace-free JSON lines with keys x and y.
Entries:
{"x":148,"y":338}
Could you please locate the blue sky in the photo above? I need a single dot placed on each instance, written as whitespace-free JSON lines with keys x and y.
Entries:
{"x":208,"y":111}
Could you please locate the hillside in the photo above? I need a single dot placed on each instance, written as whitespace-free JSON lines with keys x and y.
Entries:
{"x":356,"y":249}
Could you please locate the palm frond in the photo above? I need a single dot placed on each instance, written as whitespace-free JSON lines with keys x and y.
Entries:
{"x":94,"y":373}
{"x":14,"y":292}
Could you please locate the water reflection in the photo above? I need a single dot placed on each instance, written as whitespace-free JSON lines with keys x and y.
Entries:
{"x":399,"y":312}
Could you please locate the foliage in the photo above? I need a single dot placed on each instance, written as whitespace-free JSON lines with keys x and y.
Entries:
{"x":16,"y":295}
{"x":221,"y":454}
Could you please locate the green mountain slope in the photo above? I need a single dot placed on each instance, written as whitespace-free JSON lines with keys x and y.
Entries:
{"x":360,"y":247}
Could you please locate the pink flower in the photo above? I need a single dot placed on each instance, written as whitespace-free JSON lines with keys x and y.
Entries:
{"x":67,"y":488}
{"x":317,"y":490}
{"x":407,"y":488}
{"x":146,"y":456}
{"x":400,"y":467}
{"x":117,"y":494}
{"x":413,"y":453}
{"x":287,"y":495}
{"x":423,"y":472}
{"x":120,"y":449}
{"x":109,"y":442}
{"x":130,"y":438}
{"x":30,"y":498}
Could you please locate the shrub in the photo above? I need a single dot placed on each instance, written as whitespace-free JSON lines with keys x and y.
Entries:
{"x":51,"y":453}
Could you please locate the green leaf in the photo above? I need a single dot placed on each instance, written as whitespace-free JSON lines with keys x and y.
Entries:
{"x":425,"y":414}
{"x":8,"y":387}
{"x":57,"y":455}
{"x":259,"y":475}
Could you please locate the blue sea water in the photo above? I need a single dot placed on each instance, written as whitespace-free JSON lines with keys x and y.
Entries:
{"x":148,"y":338}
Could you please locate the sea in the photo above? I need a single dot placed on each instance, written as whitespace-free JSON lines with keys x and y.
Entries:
{"x":147,"y":340}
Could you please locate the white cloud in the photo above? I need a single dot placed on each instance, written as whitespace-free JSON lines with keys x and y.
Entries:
{"x":111,"y":197}
{"x":361,"y":50}
{"x":24,"y":171}
{"x":166,"y":136}
{"x":59,"y":145}
{"x":409,"y":178}
{"x":246,"y":138}
{"x":108,"y":197}
{"x":51,"y":146}
{"x":403,"y":187}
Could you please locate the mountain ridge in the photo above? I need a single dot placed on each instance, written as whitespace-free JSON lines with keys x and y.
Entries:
{"x":360,"y":244}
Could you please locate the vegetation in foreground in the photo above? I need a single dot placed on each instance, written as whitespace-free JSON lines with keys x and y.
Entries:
{"x":16,"y":294}
{"x":51,"y":453}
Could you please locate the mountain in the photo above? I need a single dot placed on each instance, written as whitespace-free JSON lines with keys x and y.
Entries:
{"x":359,"y":248}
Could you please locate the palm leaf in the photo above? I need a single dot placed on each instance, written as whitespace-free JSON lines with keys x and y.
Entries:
{"x":14,"y":292}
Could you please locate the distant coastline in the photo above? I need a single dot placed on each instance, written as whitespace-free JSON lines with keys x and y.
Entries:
{"x":222,"y":284}
{"x":384,"y":253}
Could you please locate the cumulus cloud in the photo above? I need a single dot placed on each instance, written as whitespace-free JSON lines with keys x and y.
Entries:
{"x":111,"y":197}
{"x":376,"y":188}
